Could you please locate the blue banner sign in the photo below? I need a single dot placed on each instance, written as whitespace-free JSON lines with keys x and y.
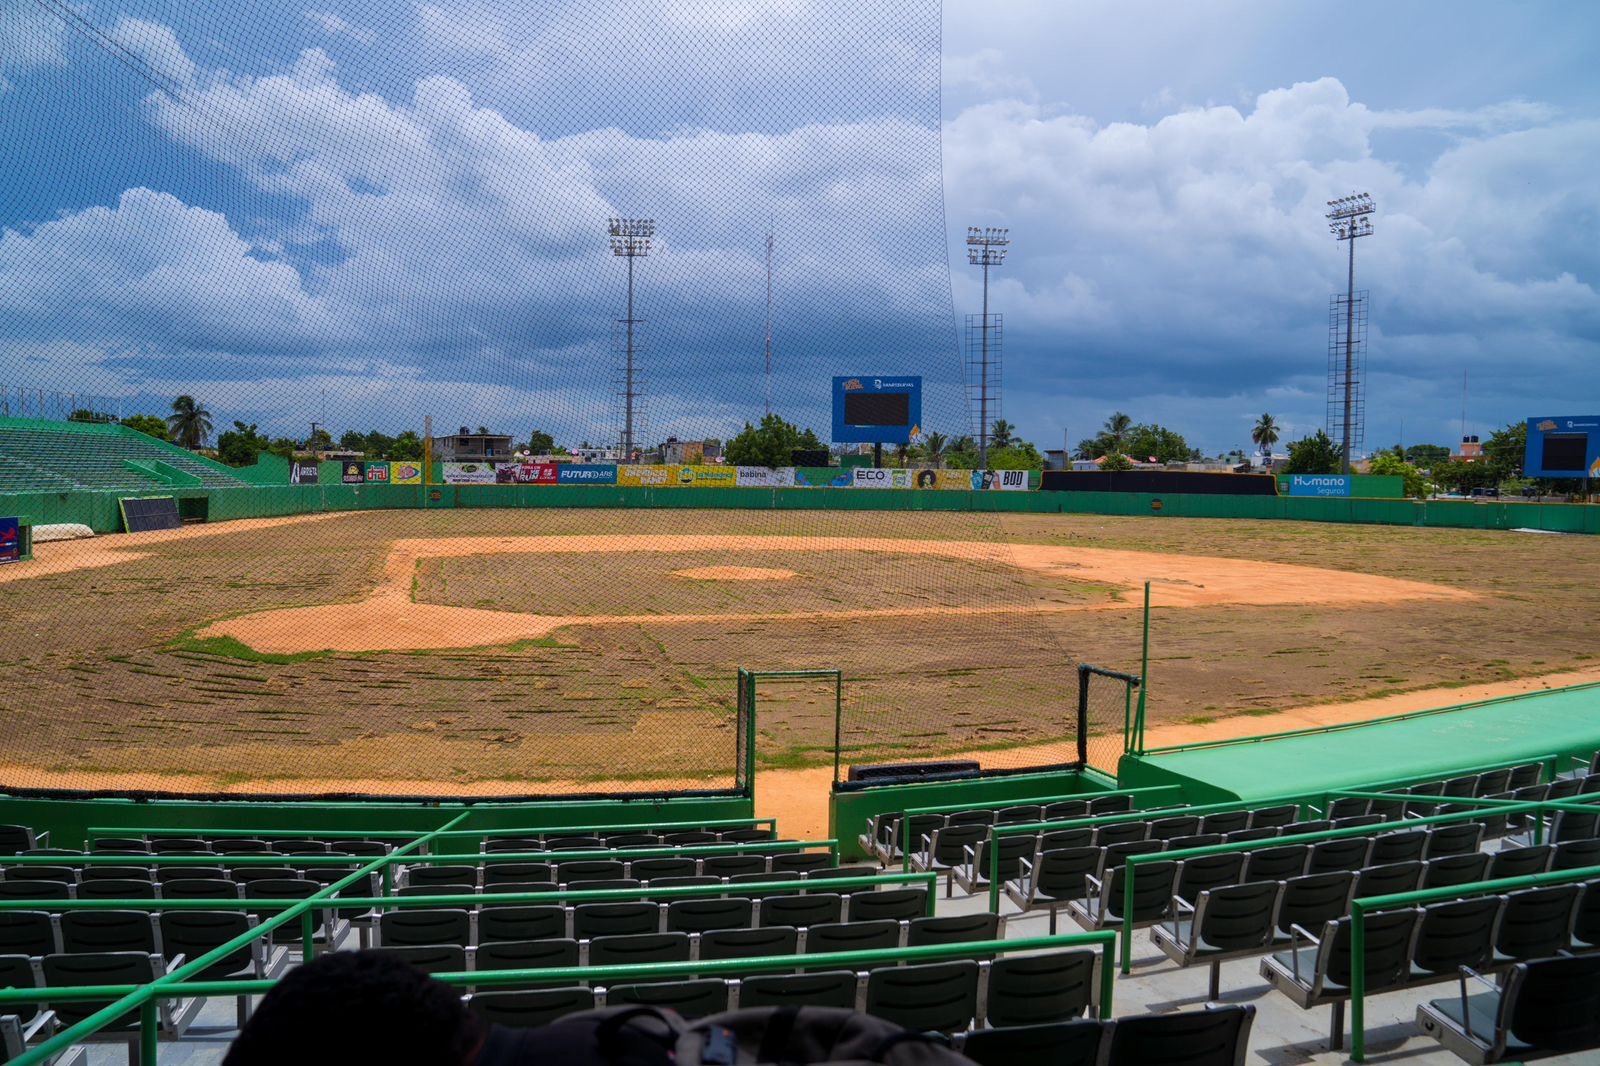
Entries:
{"x":877,"y":410}
{"x":10,"y":540}
{"x":1319,"y":485}
{"x":587,"y":474}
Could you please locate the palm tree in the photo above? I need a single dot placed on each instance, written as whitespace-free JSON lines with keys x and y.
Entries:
{"x":1116,"y":431}
{"x":189,"y":422}
{"x":933,"y":448}
{"x":1265,"y":434}
{"x":1002,"y":434}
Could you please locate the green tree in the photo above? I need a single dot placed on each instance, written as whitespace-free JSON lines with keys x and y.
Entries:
{"x":353,"y":441}
{"x":150,"y":425}
{"x":1316,"y":454}
{"x":1019,"y":456}
{"x":1001,"y":435}
{"x":319,"y":441}
{"x":1426,"y":456}
{"x":1147,"y":442}
{"x":541,"y":443}
{"x":961,"y":454}
{"x":1390,"y":464}
{"x":1115,"y":432}
{"x":933,"y":448}
{"x":1459,"y":477}
{"x":1116,"y":461}
{"x":1505,"y":450}
{"x":189,"y":423}
{"x":241,"y":445}
{"x":83,"y":414}
{"x":407,"y":447}
{"x":1265,"y":434}
{"x":770,"y":444}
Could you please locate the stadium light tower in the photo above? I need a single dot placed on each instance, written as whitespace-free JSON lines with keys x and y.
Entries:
{"x":1349,"y":218}
{"x":986,"y":247}
{"x":630,"y":238}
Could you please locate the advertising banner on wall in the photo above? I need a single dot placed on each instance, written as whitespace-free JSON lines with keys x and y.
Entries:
{"x":303,"y":473}
{"x":468,"y":473}
{"x":866,"y":477}
{"x":587,"y":474}
{"x":957,"y":480}
{"x":1009,"y":480}
{"x":1319,"y":485}
{"x":405,"y":473}
{"x":639,"y":477}
{"x":765,"y":477}
{"x":378,"y":473}
{"x":10,"y":540}
{"x":706,"y":476}
{"x":354,"y":473}
{"x":525,"y":474}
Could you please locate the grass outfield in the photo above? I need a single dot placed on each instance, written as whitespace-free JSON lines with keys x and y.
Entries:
{"x":106,"y":684}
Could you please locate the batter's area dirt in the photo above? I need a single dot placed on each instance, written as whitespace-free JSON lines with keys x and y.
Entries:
{"x":510,"y":652}
{"x":734,"y":573}
{"x":391,"y":619}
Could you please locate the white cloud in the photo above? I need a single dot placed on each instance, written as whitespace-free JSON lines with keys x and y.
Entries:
{"x":156,"y":46}
{"x":332,"y":24}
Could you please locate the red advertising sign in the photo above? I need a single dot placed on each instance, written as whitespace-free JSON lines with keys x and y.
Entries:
{"x":527,"y":474}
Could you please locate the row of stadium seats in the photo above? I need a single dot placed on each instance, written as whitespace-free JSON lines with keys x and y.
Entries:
{"x":95,"y":459}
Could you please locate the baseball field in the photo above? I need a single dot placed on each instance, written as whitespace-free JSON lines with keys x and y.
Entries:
{"x":534,"y":651}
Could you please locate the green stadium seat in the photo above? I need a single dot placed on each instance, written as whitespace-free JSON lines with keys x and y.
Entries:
{"x":615,"y":919}
{"x":1075,"y":1043}
{"x":1452,"y":934}
{"x":1216,"y":1036}
{"x":519,"y":921}
{"x":691,"y":999}
{"x":429,"y":958}
{"x":1316,"y":968}
{"x":1535,"y":923}
{"x":1103,"y":904}
{"x":1225,"y":922}
{"x":813,"y":908}
{"x":954,"y":929}
{"x":830,"y":988}
{"x":417,"y":925}
{"x":1455,"y":870}
{"x":1030,"y":989}
{"x":700,"y":915}
{"x":880,"y":935}
{"x":545,"y":954}
{"x":1545,"y":1007}
{"x":1388,"y":879}
{"x":716,"y":944}
{"x":941,"y":996}
{"x":636,"y":949}
{"x":902,"y":904}
{"x":1310,"y":901}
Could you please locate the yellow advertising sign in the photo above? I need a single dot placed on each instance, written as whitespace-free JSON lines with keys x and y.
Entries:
{"x":641,"y":477}
{"x":954,"y":479}
{"x":686,"y":476}
{"x":405,"y":473}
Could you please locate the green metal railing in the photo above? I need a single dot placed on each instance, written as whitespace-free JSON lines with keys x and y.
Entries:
{"x":1359,"y":909}
{"x":146,"y":997}
{"x":235,"y":832}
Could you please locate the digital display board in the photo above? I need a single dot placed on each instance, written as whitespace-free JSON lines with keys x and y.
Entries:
{"x":877,"y":410}
{"x":1563,"y":446}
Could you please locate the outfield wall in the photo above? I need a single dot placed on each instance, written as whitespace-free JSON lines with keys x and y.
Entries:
{"x":98,"y":509}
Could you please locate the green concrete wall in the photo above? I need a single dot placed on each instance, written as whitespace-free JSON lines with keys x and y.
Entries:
{"x":1362,"y":486}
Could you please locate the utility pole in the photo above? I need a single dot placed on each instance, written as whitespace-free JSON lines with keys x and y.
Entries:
{"x":1349,"y":218}
{"x":986,"y":247}
{"x":769,"y":319}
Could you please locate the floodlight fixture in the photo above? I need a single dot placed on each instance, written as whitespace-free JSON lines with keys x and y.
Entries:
{"x":986,"y":247}
{"x":1350,"y":217}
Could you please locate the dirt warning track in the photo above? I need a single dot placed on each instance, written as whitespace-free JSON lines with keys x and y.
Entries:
{"x":390,"y":619}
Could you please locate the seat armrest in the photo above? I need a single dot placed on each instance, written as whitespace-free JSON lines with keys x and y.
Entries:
{"x":41,"y":1024}
{"x":1466,"y":1015}
{"x":1299,"y":931}
{"x":1092,"y":880}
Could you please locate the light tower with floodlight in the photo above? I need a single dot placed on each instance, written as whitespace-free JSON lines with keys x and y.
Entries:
{"x":986,"y":247}
{"x":630,"y":238}
{"x":1349,"y":218}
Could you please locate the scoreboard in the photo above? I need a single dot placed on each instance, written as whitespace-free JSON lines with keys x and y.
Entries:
{"x":877,"y":410}
{"x":1563,"y":446}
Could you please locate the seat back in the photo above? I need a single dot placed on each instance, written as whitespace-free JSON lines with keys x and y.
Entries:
{"x":1059,"y":874}
{"x":949,"y":843}
{"x":749,"y":943}
{"x":1348,"y":807}
{"x":35,"y":890}
{"x":1030,"y":989}
{"x":1346,"y":853}
{"x":442,"y":874}
{"x":1216,"y":1036}
{"x":93,"y":968}
{"x":1388,"y":949}
{"x":733,"y":865}
{"x":1074,"y":1043}
{"x":940,"y":996}
{"x":1460,"y":838}
{"x":121,"y":888}
{"x":796,"y":861}
{"x":953,"y":929}
{"x":1536,"y":922}
{"x":1117,"y":854}
{"x":27,"y":933}
{"x":690,"y":999}
{"x":519,"y":873}
{"x":442,"y":925}
{"x":1237,"y":917}
{"x":1204,"y":872}
{"x":881,"y":934}
{"x":1456,"y":933}
{"x":1574,"y":825}
{"x":1177,"y":825}
{"x":1275,"y":863}
{"x":699,"y":915}
{"x":1554,"y":1004}
{"x":1455,"y":870}
{"x":1520,"y":862}
{"x":429,"y":958}
{"x":15,"y":839}
{"x":1152,"y":891}
{"x":1388,"y":879}
{"x":813,"y":908}
{"x":105,"y":931}
{"x":541,"y":954}
{"x":16,"y":972}
{"x":899,"y":903}
{"x":830,"y":988}
{"x":1062,"y":810}
{"x":1586,"y":917}
{"x":201,"y":888}
{"x":1265,"y":832}
{"x":1021,"y":812}
{"x":521,"y":922}
{"x":1525,"y":774}
{"x":590,"y":870}
{"x":1277,"y":817}
{"x":1405,"y":846}
{"x":632,"y":950}
{"x":615,"y":919}
{"x":1111,"y":805}
{"x":1121,"y":833}
{"x":1313,"y":900}
{"x":1225,"y":822}
{"x":1575,"y":854}
{"x":194,"y":933}
{"x":528,"y":1010}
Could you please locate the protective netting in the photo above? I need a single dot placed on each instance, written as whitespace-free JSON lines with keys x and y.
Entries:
{"x":312,"y":222}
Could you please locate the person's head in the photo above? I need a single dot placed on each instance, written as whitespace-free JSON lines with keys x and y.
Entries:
{"x":357,"y":1006}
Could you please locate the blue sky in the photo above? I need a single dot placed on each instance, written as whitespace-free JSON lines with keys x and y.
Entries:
{"x":360,"y":212}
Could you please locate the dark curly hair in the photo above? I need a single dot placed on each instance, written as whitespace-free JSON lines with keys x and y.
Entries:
{"x":348,"y":1007}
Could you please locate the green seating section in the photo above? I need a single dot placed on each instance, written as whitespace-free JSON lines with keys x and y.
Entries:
{"x":56,"y":457}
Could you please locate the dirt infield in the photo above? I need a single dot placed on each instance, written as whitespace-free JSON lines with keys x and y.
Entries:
{"x":391,"y":618}
{"x":507,"y":651}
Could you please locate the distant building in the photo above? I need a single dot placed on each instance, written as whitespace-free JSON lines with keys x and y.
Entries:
{"x":1471,"y":450}
{"x":469,"y":447}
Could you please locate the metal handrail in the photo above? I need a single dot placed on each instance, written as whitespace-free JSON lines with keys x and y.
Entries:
{"x":95,"y":832}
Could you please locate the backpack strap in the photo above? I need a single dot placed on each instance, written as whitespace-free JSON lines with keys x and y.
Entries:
{"x":776,"y":1038}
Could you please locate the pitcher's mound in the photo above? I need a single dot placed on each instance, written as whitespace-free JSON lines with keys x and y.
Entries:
{"x":734,"y":573}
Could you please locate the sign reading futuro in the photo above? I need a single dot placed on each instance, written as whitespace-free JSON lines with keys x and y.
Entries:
{"x":1565,"y":446}
{"x":877,"y":410}
{"x":1319,"y":485}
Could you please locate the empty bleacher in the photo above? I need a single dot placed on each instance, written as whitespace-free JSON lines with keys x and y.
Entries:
{"x":54,"y":457}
